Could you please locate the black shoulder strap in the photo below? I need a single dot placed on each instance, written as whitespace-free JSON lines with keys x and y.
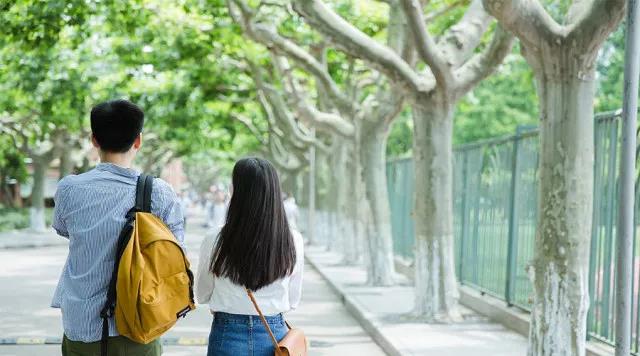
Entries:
{"x":144,"y":188}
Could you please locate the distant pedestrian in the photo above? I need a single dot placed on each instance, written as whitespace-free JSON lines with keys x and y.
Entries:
{"x":291,"y":208}
{"x":90,"y":211}
{"x":256,"y":250}
{"x":185,"y":202}
{"x":219,"y":213}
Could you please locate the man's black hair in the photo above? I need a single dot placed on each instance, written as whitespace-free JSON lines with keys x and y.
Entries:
{"x":116,"y":124}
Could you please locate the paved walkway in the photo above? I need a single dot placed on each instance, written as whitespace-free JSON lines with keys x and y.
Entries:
{"x":28,"y":277}
{"x":384,"y":311}
{"x":28,"y":239}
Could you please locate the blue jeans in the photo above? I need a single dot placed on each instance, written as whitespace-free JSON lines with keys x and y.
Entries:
{"x":240,"y":335}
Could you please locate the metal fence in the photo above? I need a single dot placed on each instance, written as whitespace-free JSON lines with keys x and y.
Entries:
{"x":495,"y":212}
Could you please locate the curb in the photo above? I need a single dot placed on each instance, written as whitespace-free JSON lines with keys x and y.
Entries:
{"x":29,"y":245}
{"x":510,"y":317}
{"x":26,"y":239}
{"x":366,"y":319}
{"x":166,"y":341}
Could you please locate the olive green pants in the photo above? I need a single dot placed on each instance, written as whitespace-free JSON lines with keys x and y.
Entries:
{"x":116,"y":346}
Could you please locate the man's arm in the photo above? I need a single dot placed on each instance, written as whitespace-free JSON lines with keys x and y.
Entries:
{"x":166,"y":205}
{"x":59,"y":199}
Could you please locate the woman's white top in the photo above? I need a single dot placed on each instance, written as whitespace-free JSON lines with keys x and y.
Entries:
{"x":222,"y":295}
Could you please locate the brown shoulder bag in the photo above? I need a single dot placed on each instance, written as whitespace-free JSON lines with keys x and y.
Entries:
{"x":293,"y":344}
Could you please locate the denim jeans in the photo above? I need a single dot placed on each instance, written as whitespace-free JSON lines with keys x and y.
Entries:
{"x":235,"y":335}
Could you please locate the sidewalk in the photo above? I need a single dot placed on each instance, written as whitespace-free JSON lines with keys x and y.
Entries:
{"x":382,"y":311}
{"x":32,"y":274}
{"x":29,"y":239}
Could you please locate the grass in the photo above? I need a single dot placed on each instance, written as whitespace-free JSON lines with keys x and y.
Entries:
{"x":13,"y":219}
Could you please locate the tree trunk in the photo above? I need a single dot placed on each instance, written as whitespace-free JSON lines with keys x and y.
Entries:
{"x":298,"y":191}
{"x":352,"y":229}
{"x":339,"y":191}
{"x":436,"y":290}
{"x":289,"y":182}
{"x":379,"y":240}
{"x":66,"y":163}
{"x":37,"y":215}
{"x":561,"y":301}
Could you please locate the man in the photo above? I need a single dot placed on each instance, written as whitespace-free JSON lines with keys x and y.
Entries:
{"x":90,"y":211}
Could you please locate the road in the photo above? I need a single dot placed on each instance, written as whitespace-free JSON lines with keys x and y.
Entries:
{"x":28,"y":278}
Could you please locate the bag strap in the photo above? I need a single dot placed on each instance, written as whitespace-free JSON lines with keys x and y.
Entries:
{"x":264,"y":321}
{"x":143,"y":193}
{"x":143,"y":203}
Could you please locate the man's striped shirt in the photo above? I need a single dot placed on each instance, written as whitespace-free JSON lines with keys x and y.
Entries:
{"x":90,"y":211}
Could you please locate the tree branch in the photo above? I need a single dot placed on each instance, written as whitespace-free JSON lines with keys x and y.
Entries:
{"x":484,"y":63}
{"x":277,"y":111}
{"x":268,"y":37}
{"x":443,"y":11}
{"x":280,"y":45}
{"x":356,"y":43}
{"x":460,"y":41}
{"x":282,"y":156}
{"x":326,"y":121}
{"x":16,"y":129}
{"x":424,"y":43}
{"x":527,"y":19}
{"x":250,"y":126}
{"x":591,"y":23}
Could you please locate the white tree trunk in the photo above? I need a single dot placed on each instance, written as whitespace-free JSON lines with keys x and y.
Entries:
{"x":436,"y":289}
{"x":340,"y":187}
{"x":380,"y":264}
{"x":66,"y":162}
{"x":37,"y":215}
{"x":558,"y":318}
{"x":353,"y":227}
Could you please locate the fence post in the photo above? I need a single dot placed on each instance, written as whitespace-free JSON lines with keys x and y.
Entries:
{"x":463,"y":215}
{"x":512,"y":247}
{"x":624,"y":242}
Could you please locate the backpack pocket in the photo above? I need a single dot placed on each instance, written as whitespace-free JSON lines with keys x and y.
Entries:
{"x":159,"y":306}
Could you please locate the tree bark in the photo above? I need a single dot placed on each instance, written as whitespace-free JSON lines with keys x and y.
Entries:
{"x":380,"y":244}
{"x":561,"y":301}
{"x":353,"y":227}
{"x":339,"y":191}
{"x":66,"y":163}
{"x":436,"y":297}
{"x":37,"y":214}
{"x":289,"y":181}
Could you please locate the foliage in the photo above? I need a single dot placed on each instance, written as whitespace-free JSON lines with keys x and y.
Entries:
{"x":59,"y":58}
{"x":16,"y":219}
{"x":11,"y":162}
{"x":499,"y":104}
{"x":610,"y":73}
{"x":183,"y":62}
{"x":401,"y":136}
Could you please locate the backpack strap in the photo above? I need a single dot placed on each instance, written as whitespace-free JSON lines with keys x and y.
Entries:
{"x":109,"y":305}
{"x":144,"y":187}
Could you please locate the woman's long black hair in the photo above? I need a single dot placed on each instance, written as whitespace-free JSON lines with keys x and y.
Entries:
{"x":255,"y":247}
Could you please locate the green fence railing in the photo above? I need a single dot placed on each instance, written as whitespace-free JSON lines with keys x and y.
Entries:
{"x":495,"y":212}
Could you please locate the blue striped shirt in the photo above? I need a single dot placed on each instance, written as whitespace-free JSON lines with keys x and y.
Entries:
{"x":90,"y":211}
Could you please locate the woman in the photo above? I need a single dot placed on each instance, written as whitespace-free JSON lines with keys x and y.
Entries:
{"x":256,"y":250}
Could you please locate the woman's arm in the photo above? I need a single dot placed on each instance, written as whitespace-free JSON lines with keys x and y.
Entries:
{"x":295,"y":282}
{"x":204,"y":277}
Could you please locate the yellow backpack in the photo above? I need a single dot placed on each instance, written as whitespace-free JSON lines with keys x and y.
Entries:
{"x":152,"y":285}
